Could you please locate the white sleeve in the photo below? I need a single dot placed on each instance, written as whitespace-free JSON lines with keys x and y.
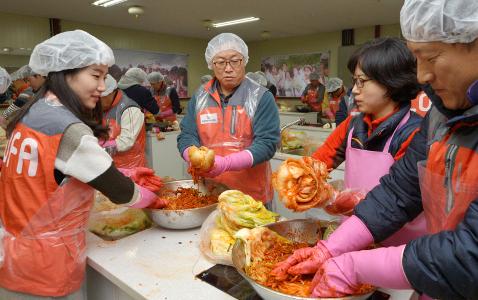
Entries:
{"x":132,"y":121}
{"x":80,"y":155}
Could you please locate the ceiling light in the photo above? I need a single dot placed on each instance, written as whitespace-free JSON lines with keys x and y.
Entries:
{"x":6,"y":49}
{"x":107,"y":3}
{"x":136,"y":11}
{"x":234,"y":22}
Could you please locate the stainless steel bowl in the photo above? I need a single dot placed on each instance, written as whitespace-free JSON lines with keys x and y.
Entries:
{"x":300,"y":230}
{"x":186,"y":218}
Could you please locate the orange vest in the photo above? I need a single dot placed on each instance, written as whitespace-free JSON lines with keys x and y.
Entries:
{"x":44,"y":223}
{"x":421,"y":104}
{"x":229,"y":129}
{"x":135,"y":156}
{"x":164,"y":103}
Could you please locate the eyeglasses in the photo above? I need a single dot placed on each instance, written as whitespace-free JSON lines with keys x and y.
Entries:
{"x":359,"y":82}
{"x":221,"y":64}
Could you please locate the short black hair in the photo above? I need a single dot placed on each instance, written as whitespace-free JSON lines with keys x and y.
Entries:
{"x":389,"y":62}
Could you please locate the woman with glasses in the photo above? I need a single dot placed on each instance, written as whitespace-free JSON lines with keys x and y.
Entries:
{"x":384,"y":83}
{"x":236,"y":117}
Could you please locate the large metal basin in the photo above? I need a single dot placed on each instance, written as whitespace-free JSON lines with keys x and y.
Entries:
{"x":299,"y":230}
{"x":186,"y":218}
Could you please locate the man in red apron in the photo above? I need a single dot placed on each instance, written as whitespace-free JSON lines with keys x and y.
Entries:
{"x":313,"y":95}
{"x":235,"y":117}
{"x":437,"y":175}
{"x":127,"y":131}
{"x":158,"y":84}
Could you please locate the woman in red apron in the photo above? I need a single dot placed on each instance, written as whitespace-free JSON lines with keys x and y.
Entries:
{"x":438,"y":175}
{"x":372,"y":141}
{"x":125,"y":121}
{"x":52,"y":165}
{"x":158,"y":84}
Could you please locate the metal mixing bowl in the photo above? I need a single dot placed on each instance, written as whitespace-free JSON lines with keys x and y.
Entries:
{"x":186,"y":218}
{"x":300,"y":230}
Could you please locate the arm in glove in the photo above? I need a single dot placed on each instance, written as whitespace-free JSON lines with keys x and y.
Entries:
{"x":143,"y":177}
{"x":166,"y":113}
{"x":232,"y":162}
{"x":147,"y":199}
{"x":344,"y":202}
{"x":352,"y":235}
{"x":345,"y":274}
{"x":110,"y":146}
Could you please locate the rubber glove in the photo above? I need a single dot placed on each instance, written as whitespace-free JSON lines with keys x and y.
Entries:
{"x":232,"y":162}
{"x":147,"y":199}
{"x":110,"y":147}
{"x":144,"y":177}
{"x":302,"y":261}
{"x":166,"y":113}
{"x":343,"y":275}
{"x":351,"y":235}
{"x":186,"y":154}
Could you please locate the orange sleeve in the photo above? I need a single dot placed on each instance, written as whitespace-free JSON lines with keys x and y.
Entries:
{"x":332,"y":152}
{"x":403,"y":148}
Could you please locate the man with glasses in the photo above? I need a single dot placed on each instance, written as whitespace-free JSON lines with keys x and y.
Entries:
{"x":235,"y":117}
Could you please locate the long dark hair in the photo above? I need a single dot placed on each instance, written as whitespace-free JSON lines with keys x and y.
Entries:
{"x":57,"y":84}
{"x":389,"y":62}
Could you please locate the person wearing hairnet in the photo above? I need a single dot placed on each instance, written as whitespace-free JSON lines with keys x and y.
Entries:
{"x":22,"y":93}
{"x":53,"y":150}
{"x":437,"y":175}
{"x":257,"y":78}
{"x":159,"y":87}
{"x":35,"y":82}
{"x":313,"y":95}
{"x":131,"y":83}
{"x":235,"y":117}
{"x":125,"y":121}
{"x":205,"y":78}
{"x":336,"y":90}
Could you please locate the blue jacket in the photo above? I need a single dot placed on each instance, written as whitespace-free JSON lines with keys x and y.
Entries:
{"x":442,"y":265}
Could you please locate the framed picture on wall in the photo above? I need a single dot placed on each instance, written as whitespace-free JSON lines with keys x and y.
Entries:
{"x":290,"y":73}
{"x":173,"y":66}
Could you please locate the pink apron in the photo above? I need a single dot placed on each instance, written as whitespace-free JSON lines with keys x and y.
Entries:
{"x":363,"y":170}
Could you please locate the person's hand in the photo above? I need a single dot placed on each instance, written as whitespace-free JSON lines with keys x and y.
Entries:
{"x":232,"y":162}
{"x":110,"y":147}
{"x":302,"y":261}
{"x":356,"y":272}
{"x":148,"y":199}
{"x":144,"y":177}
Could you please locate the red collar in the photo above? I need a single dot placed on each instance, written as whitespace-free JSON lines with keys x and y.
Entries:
{"x":372,"y":125}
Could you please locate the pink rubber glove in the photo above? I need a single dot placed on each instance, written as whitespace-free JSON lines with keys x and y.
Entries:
{"x":232,"y":162}
{"x":351,"y":235}
{"x":166,"y":113}
{"x":343,"y":275}
{"x":110,"y":146}
{"x":302,"y":261}
{"x":186,"y":154}
{"x":147,"y":198}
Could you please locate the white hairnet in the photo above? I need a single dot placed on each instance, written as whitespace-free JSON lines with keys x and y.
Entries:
{"x":440,"y":21}
{"x":154,"y":77}
{"x":70,"y":50}
{"x":314,"y":76}
{"x":333,"y":84}
{"x":205,"y":78}
{"x":5,"y":80}
{"x":131,"y":77}
{"x":22,"y":73}
{"x":223,"y":42}
{"x":110,"y":84}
